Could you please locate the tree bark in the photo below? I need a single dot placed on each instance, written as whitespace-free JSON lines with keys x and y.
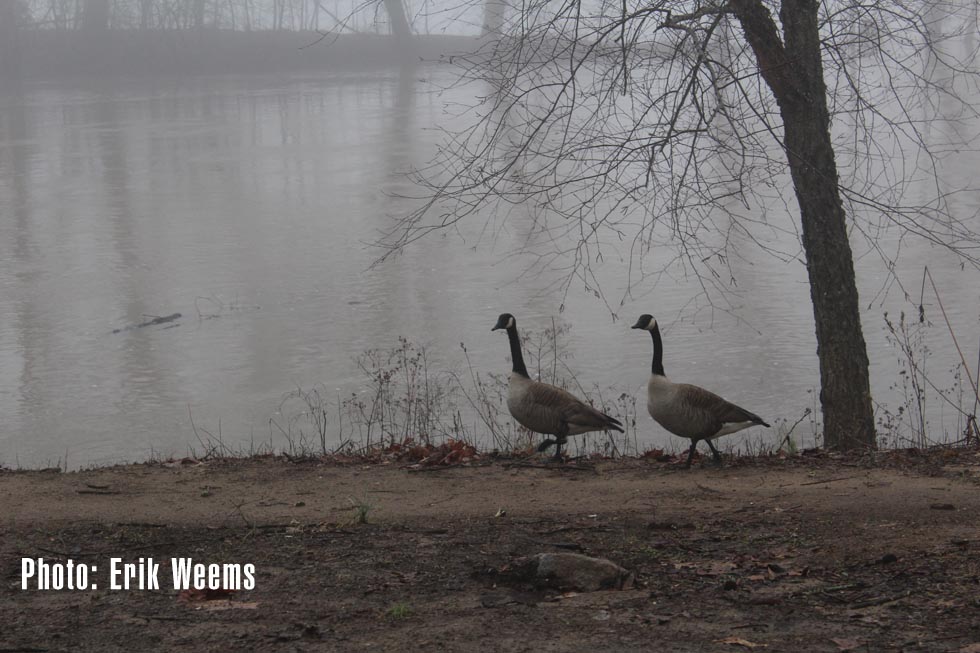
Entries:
{"x":793,"y":71}
{"x":399,"y":20}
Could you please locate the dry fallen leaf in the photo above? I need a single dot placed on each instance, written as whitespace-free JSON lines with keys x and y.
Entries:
{"x":970,"y":648}
{"x":738,"y":641}
{"x":845,"y":644}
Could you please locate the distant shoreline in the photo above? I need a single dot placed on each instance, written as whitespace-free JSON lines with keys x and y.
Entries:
{"x":46,"y":54}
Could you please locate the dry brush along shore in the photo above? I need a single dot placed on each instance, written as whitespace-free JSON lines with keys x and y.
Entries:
{"x":809,"y":553}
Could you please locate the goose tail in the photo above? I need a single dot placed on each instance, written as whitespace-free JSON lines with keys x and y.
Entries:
{"x":612,"y":423}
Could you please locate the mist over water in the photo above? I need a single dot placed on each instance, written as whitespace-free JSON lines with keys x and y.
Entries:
{"x":246,"y":203}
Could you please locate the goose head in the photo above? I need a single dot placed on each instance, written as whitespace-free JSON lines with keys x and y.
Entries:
{"x":505,"y":321}
{"x":646,"y":322}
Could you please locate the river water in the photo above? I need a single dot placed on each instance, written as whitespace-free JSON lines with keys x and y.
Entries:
{"x":248,"y":205}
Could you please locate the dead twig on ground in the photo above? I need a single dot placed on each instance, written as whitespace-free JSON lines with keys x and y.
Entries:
{"x":827,"y":480}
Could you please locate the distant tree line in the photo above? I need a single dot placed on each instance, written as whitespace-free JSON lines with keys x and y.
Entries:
{"x":51,"y":38}
{"x":369,"y":16}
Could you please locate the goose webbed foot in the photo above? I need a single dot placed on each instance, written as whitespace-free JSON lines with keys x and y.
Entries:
{"x":560,"y":438}
{"x":558,"y":457}
{"x":557,"y":444}
{"x":714,"y":452}
{"x":690,"y":453}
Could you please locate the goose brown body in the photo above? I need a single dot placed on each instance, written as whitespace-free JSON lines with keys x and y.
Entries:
{"x":687,"y":410}
{"x":544,"y":408}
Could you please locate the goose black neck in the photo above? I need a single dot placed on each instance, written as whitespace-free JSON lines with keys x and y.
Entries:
{"x":658,"y":351}
{"x":515,"y":352}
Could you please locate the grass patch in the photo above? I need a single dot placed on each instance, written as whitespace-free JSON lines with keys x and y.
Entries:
{"x":400,"y":610}
{"x":360,"y":509}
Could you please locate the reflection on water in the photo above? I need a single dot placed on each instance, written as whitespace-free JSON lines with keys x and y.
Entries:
{"x":245,"y":204}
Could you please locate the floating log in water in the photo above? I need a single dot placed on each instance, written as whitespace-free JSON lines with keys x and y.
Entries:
{"x":156,"y":320}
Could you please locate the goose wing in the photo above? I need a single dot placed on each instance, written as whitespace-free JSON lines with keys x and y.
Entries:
{"x":725,"y":412}
{"x":573,"y":411}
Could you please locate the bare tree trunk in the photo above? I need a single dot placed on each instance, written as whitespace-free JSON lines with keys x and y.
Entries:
{"x":398,"y":19}
{"x":198,"y":14}
{"x":9,"y":50}
{"x":493,"y":17}
{"x":95,"y":16}
{"x":798,"y":85}
{"x":315,"y":20}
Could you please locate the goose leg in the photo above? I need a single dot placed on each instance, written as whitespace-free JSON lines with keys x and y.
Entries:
{"x":714,"y":452}
{"x":544,"y":445}
{"x":690,"y":454}
{"x":560,"y":439}
{"x":557,"y":457}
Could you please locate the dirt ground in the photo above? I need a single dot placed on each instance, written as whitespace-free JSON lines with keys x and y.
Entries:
{"x":803,"y":554}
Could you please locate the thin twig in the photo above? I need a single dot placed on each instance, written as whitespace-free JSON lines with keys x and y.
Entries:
{"x":576,"y":468}
{"x":829,"y":480}
{"x":966,"y":368}
{"x":805,"y":414}
{"x":881,"y":600}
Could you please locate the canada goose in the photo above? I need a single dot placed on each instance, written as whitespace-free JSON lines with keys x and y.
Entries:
{"x":544,"y":408}
{"x":687,"y":410}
